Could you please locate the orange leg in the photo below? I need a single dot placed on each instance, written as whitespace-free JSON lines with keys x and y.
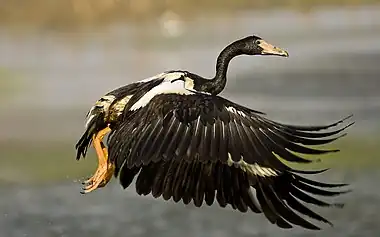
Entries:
{"x":105,"y":170}
{"x":101,"y":152}
{"x":102,"y":155}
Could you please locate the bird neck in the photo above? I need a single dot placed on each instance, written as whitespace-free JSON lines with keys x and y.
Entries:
{"x":218,"y":82}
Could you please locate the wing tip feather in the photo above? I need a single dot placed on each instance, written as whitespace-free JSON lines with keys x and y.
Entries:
{"x":291,"y":206}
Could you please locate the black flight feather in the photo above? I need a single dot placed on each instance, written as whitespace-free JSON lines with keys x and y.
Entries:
{"x":187,"y":148}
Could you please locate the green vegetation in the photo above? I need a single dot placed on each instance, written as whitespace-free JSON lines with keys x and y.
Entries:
{"x":44,"y":163}
{"x":10,"y":83}
{"x":355,"y":153}
{"x":22,"y":162}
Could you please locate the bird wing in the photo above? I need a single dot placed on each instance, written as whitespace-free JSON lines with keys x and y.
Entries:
{"x":210,"y":128}
{"x":201,"y":147}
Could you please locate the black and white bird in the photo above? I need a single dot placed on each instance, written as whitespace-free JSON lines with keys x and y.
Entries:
{"x":184,"y":142}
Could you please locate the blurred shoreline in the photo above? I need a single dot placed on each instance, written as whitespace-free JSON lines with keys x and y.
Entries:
{"x":68,"y":15}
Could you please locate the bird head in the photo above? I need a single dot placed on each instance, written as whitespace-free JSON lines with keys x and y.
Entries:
{"x":254,"y":45}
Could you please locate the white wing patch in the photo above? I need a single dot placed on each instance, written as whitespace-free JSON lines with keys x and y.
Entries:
{"x":165,"y":87}
{"x":254,"y":169}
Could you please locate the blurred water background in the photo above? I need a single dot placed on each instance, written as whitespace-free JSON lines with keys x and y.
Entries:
{"x":58,"y":57}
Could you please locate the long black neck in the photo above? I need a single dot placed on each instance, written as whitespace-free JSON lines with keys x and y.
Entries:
{"x":217,"y":84}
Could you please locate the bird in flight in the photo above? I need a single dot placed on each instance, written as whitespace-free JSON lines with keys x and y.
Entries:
{"x":184,"y":142}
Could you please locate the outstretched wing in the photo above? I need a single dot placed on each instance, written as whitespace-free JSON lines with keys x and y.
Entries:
{"x":197,"y":146}
{"x":210,"y":128}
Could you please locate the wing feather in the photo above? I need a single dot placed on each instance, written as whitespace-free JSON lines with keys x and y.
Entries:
{"x":283,"y":210}
{"x":208,"y":125}
{"x":204,"y":148}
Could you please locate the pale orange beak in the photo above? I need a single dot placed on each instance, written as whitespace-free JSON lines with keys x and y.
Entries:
{"x":268,"y":49}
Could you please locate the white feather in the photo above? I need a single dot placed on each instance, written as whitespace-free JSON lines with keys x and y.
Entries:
{"x":235,"y":111}
{"x":254,"y":169}
{"x":88,"y":120}
{"x":166,"y":87}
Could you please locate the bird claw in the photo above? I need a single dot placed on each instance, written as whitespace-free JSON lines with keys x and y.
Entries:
{"x":100,"y":178}
{"x":91,"y":179}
